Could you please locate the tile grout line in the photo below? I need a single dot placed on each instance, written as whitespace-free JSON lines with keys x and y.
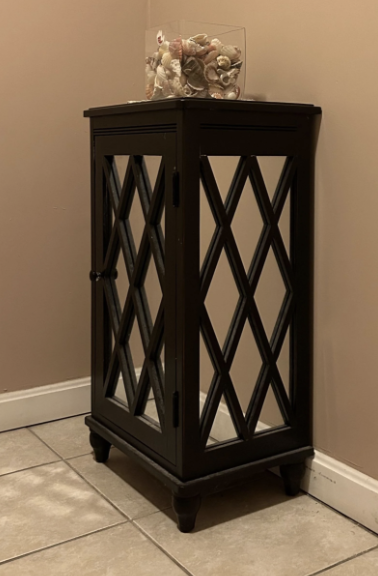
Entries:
{"x":341,"y":562}
{"x":361,"y":526}
{"x":30,"y":467}
{"x":141,"y":530}
{"x":127,"y":518}
{"x":132,"y":522}
{"x":67,"y":462}
{"x":37,"y":550}
{"x":155,"y":543}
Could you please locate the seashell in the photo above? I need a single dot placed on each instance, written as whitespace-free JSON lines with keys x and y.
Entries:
{"x":188,"y":91}
{"x":224,"y":62}
{"x":201,"y":50}
{"x":210,"y":56}
{"x":237,"y":65}
{"x":166,"y":88}
{"x":157,"y":93}
{"x":213,"y":88}
{"x":232,"y":52}
{"x":189,"y":47}
{"x":230,"y":95}
{"x":151,"y":61}
{"x":183,"y":79}
{"x":161,"y":75}
{"x":176,"y":67}
{"x":196,"y":88}
{"x":177,"y":88}
{"x":232,"y":92}
{"x":234,"y":72}
{"x":217,"y":44}
{"x":199,"y":39}
{"x":194,"y":69}
{"x":160,"y":38}
{"x":149,"y":91}
{"x":150,"y":77}
{"x":201,"y":94}
{"x":211,"y":74}
{"x":163,"y":49}
{"x":217,"y":95}
{"x":225,"y":80}
{"x":175,"y":48}
{"x":166,"y":59}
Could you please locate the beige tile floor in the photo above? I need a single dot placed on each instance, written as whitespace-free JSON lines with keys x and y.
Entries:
{"x":61,"y":513}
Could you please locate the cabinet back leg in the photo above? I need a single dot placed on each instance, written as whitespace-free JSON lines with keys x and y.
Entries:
{"x":292,"y":475}
{"x":101,"y":447}
{"x":186,"y":510}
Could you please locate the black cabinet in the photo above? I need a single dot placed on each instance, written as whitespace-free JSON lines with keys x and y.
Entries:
{"x":149,"y":287}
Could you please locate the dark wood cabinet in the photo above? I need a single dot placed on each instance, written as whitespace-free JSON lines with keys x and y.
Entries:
{"x":146,"y":332}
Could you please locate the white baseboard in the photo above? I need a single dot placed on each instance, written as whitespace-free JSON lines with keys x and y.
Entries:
{"x":45,"y":403}
{"x":336,"y":484}
{"x":330,"y":481}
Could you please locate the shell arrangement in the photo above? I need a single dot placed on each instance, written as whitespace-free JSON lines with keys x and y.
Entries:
{"x":198,"y":67}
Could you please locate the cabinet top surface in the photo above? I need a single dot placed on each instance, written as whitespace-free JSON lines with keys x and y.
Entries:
{"x":204,"y":104}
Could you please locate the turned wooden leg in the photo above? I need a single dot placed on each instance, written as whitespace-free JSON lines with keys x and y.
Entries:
{"x":100,"y":447}
{"x":292,"y":475}
{"x":186,"y":510}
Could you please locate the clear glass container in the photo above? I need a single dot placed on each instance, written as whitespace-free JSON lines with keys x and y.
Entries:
{"x":195,"y":60}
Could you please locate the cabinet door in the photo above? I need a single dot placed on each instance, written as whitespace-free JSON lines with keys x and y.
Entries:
{"x":134,"y":300}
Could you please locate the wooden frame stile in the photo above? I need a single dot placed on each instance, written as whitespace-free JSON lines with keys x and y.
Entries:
{"x":185,"y":133}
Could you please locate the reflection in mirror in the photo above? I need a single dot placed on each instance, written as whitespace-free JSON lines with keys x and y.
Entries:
{"x":136,"y":220}
{"x":222,"y":298}
{"x":207,"y":225}
{"x":270,"y":293}
{"x":283,"y":363}
{"x":224,"y":168}
{"x":245,"y":367}
{"x":152,"y":165}
{"x":119,"y":391}
{"x":122,"y":281}
{"x":270,"y":416}
{"x":284,"y":224}
{"x":151,"y":411}
{"x":222,"y":429}
{"x":206,"y":372}
{"x":271,"y":169}
{"x":121,"y":163}
{"x":162,"y":222}
{"x":247,"y":225}
{"x":136,"y":346}
{"x":152,"y":289}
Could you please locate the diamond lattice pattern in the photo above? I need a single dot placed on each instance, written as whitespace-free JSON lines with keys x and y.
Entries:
{"x":134,"y":284}
{"x":259,"y":316}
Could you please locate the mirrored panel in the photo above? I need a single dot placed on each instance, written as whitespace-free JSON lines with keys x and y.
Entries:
{"x":229,"y":303}
{"x":271,"y":168}
{"x":270,"y":293}
{"x":223,"y":168}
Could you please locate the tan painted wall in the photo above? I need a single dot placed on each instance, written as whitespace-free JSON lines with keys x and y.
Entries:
{"x":326,"y":53}
{"x":60,"y":57}
{"x":56,"y":59}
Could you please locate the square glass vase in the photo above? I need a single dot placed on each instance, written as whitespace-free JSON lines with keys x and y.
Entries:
{"x":187,"y":59}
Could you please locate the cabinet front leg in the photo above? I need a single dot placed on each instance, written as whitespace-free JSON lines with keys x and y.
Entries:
{"x":101,"y":447}
{"x":292,"y":475}
{"x":186,"y":510}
